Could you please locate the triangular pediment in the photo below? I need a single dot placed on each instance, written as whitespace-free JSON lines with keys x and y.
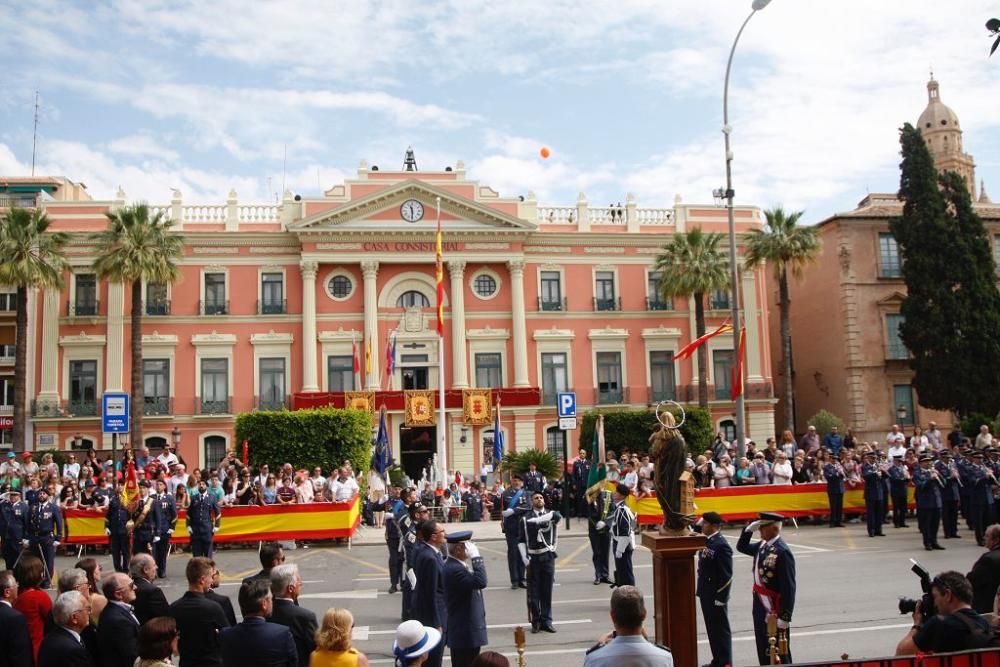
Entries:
{"x":893,"y":299}
{"x":380,"y":211}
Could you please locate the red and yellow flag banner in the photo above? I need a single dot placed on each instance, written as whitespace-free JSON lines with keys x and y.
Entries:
{"x":130,"y":489}
{"x":690,"y":348}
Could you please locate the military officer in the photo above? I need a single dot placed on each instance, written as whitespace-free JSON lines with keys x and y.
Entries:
{"x":950,"y":496}
{"x":44,"y":527}
{"x":598,"y":511}
{"x":553,"y":495}
{"x":537,"y":546}
{"x":473,"y":501}
{"x":773,"y":581}
{"x":116,"y":527}
{"x":834,"y":474}
{"x":392,"y":538}
{"x":408,"y":524}
{"x":428,"y":594}
{"x":464,"y":581}
{"x":929,"y":485}
{"x":203,"y":519}
{"x":622,"y":537}
{"x":874,"y":490}
{"x":899,"y":475}
{"x":581,"y":475}
{"x":164,"y":521}
{"x":715,"y":578}
{"x":515,"y":502}
{"x":15,"y":512}
{"x":533,"y":480}
{"x":144,"y":521}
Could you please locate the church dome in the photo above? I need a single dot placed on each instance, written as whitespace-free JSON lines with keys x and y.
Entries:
{"x":937,"y":115}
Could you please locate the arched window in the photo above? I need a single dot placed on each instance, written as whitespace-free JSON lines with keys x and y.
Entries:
{"x":155,"y":442}
{"x":555,"y":441}
{"x":412,"y":299}
{"x":215,"y":449}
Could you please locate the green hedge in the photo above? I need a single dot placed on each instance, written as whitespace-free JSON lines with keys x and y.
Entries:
{"x":307,"y":438}
{"x":631,"y":428}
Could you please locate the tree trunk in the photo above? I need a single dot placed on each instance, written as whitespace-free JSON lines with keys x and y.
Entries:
{"x":138,"y":393}
{"x":699,"y":331}
{"x":786,"y":349}
{"x":20,"y":368}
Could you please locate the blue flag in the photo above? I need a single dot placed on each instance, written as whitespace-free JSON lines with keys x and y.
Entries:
{"x":383,"y":450}
{"x":497,"y":437}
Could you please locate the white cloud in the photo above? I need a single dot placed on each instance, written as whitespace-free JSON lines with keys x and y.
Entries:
{"x":140,"y":145}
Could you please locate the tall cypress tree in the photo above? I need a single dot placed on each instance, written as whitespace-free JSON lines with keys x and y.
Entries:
{"x":952,"y":307}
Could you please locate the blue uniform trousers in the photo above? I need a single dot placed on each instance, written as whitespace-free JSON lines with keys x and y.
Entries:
{"x":899,"y":507}
{"x":760,"y":631}
{"x":43,"y":547}
{"x":836,"y":508}
{"x":600,"y":546}
{"x":720,"y":635}
{"x":119,"y":552}
{"x":873,"y":513}
{"x":624,"y":576}
{"x":11,"y":550}
{"x":949,"y":517}
{"x":395,"y":563}
{"x":515,"y":565}
{"x":201,"y":545}
{"x":541,"y":573}
{"x":929,"y":519}
{"x":160,"y":550}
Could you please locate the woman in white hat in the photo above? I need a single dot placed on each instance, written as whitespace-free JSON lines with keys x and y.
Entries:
{"x":414,"y":641}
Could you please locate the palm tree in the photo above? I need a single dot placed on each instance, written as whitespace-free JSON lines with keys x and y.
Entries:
{"x":30,"y":257}
{"x":692,"y":264}
{"x":787,"y":247}
{"x":137,"y":246}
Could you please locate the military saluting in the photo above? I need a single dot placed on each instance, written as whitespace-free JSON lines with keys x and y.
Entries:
{"x":773,"y":584}
{"x":464,"y":581}
{"x":204,"y":517}
{"x":598,"y":513}
{"x":715,"y":578}
{"x":537,"y":546}
{"x":623,"y":537}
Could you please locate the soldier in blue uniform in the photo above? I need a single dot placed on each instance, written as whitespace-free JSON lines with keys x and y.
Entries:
{"x":43,"y":529}
{"x":428,"y":594}
{"x":144,"y":521}
{"x":950,"y":497}
{"x":514,"y":501}
{"x":392,"y":538}
{"x":598,"y":512}
{"x":773,"y":581}
{"x":928,"y":492}
{"x":980,"y":496}
{"x":622,"y":537}
{"x":164,"y":522}
{"x":407,"y":524}
{"x":534,"y":481}
{"x":834,"y":474}
{"x":874,"y":491}
{"x":715,"y":578}
{"x":464,"y":581}
{"x":203,"y":519}
{"x":963,"y":462}
{"x":899,"y":475}
{"x":14,"y":512}
{"x":537,"y":546}
{"x":473,"y":501}
{"x":116,"y":527}
{"x":581,"y":475}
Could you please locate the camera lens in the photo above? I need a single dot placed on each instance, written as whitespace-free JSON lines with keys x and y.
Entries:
{"x":907,"y":605}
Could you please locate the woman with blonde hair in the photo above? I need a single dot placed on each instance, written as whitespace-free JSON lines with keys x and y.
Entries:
{"x":333,"y":642}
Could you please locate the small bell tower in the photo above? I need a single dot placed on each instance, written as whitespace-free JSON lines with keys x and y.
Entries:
{"x":410,"y":161}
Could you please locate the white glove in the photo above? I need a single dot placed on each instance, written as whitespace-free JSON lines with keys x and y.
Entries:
{"x":720,"y":604}
{"x":471,"y":550}
{"x":619,"y":552}
{"x":55,"y":543}
{"x":524,"y":553}
{"x":782,"y":625}
{"x":107,"y":531}
{"x":544,"y":518}
{"x":170,"y":531}
{"x":412,"y":578}
{"x":156,"y":538}
{"x":753,"y":526}
{"x":600,"y":525}
{"x":527,"y":561}
{"x":215,"y":529}
{"x":24,"y":543}
{"x":507,"y":513}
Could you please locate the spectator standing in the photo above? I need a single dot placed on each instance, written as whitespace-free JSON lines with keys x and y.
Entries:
{"x":71,"y":468}
{"x":34,"y":603}
{"x":344,"y":488}
{"x":833,"y":441}
{"x":157,"y":642}
{"x":631,"y":477}
{"x":221,"y":600}
{"x":703,"y":472}
{"x":62,"y":646}
{"x":97,"y":600}
{"x":255,"y":642}
{"x":414,"y":643}
{"x":199,"y":620}
{"x":985,"y":574}
{"x":318,"y":483}
{"x":810,"y":441}
{"x":744,"y":476}
{"x":787,"y":444}
{"x":429,"y":606}
{"x":333,"y":642}
{"x":983,"y":440}
{"x":303,"y":489}
{"x":13,"y":627}
{"x":895,"y":437}
{"x":724,"y":473}
{"x":286,"y":492}
{"x":933,"y":435}
{"x":271,"y":556}
{"x":954,"y":627}
{"x":761,"y":469}
{"x":269,"y":491}
{"x":167,"y":457}
{"x":286,"y":585}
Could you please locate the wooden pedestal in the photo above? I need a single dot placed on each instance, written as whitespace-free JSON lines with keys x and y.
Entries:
{"x":674,"y":579}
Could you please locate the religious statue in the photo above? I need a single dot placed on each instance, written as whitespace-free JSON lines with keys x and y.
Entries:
{"x":669,"y":451}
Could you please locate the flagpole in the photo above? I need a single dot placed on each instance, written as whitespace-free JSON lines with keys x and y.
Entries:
{"x":442,"y":428}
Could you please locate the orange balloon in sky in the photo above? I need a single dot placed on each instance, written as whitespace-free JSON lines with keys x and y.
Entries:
{"x":545,"y":152}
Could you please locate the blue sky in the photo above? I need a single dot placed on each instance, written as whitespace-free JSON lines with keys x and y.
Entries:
{"x":206,"y":96}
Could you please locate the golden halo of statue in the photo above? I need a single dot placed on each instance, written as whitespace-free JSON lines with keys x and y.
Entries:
{"x":664,"y":420}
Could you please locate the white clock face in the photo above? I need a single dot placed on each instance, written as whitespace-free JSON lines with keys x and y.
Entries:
{"x":411,"y":210}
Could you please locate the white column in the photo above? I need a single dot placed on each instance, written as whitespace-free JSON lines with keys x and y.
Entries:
{"x":369,"y":269}
{"x":116,"y":337}
{"x":459,"y":358}
{"x":49,"y":385}
{"x":309,"y":270}
{"x":516,"y":267}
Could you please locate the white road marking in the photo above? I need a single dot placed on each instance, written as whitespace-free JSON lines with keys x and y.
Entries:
{"x":359,"y":633}
{"x":508,"y":588}
{"x":496,"y":626}
{"x":368,"y":594}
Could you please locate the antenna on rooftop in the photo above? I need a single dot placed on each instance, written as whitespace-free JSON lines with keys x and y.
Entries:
{"x":34,"y":136}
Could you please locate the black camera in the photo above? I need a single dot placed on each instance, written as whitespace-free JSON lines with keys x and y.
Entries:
{"x":909,"y":605}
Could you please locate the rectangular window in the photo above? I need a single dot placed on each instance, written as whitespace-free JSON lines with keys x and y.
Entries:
{"x":83,"y":387}
{"x":85,"y":302}
{"x":551,"y":296}
{"x":7,"y":392}
{"x":272,"y":293}
{"x":340,"y":373}
{"x":8,"y":301}
{"x":554,"y":376}
{"x":156,"y":299}
{"x":722,"y":366}
{"x":604,"y":291}
{"x":888,"y":257}
{"x":489,"y":372}
{"x":609,"y":377}
{"x":661,"y":376}
{"x":555,"y":442}
{"x":156,"y":386}
{"x":654,"y":297}
{"x":996,"y":253}
{"x":902,"y":400}
{"x":214,"y":386}
{"x":897,"y":349}
{"x":272,"y":384}
{"x":718,"y":300}
{"x":215,"y":294}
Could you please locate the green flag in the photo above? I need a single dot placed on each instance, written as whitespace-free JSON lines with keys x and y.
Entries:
{"x":597,"y":470}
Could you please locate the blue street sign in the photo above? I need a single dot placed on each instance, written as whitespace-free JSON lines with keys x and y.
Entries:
{"x":114,"y":412}
{"x":567,"y":403}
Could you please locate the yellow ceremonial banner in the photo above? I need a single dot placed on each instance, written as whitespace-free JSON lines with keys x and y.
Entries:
{"x":419,"y":407}
{"x":361,"y":400}
{"x":477,"y":407}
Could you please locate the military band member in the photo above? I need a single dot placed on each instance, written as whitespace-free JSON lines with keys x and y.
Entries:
{"x":950,"y":498}
{"x":899,"y":475}
{"x":14,"y":512}
{"x":204,"y":516}
{"x":773,"y":581}
{"x":622,"y":537}
{"x":874,"y":492}
{"x":715,"y":578}
{"x":598,"y":512}
{"x":514,"y":501}
{"x":473,"y":501}
{"x":116,"y":527}
{"x":537,"y":547}
{"x":164,"y":521}
{"x":928,"y":492}
{"x":390,"y":507}
{"x":44,"y":527}
{"x":834,"y":474}
{"x":981,"y":496}
{"x":464,"y":581}
{"x":144,"y":521}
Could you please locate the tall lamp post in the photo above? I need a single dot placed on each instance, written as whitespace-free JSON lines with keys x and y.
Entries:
{"x":734,"y":274}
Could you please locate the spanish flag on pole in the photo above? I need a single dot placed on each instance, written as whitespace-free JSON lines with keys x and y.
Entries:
{"x":737,"y":385}
{"x":130,"y":490}
{"x":690,"y":348}
{"x":439,"y":265}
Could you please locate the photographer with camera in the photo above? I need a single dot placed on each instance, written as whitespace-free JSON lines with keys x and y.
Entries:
{"x":950,"y":624}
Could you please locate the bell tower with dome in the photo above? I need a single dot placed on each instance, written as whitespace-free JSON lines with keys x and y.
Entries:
{"x":939,"y":126}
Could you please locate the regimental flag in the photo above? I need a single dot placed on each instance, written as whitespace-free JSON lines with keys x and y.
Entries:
{"x":690,"y":348}
{"x":368,"y":357}
{"x":597,"y":468}
{"x":246,"y":453}
{"x":498,"y":443}
{"x":383,"y":451}
{"x":390,"y":358}
{"x":741,"y":353}
{"x":354,"y":356}
{"x":130,"y":490}
{"x":439,"y":265}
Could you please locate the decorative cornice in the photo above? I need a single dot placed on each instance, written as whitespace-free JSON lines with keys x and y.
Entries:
{"x":607,"y":333}
{"x":553,"y":334}
{"x":340,"y":335}
{"x":487,"y":246}
{"x":214,"y":338}
{"x":271,"y":338}
{"x":156,"y":338}
{"x":661,"y":332}
{"x":202,"y":250}
{"x":603,"y":250}
{"x":339,"y":246}
{"x":489,"y":333}
{"x":276,"y":250}
{"x":81,"y":340}
{"x":551,"y":249}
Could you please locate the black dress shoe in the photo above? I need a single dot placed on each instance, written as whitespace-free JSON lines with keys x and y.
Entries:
{"x":392,"y":589}
{"x":928,"y":547}
{"x":521,"y":584}
{"x":904,"y":525}
{"x":937,"y":547}
{"x":597,"y":582}
{"x":513,"y":587}
{"x":605,"y":580}
{"x":534,"y":628}
{"x":879,"y":534}
{"x":548,"y":628}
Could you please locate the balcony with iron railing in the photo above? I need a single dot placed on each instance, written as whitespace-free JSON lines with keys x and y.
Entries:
{"x":67,"y":408}
{"x":271,"y":403}
{"x":609,"y":396}
{"x":658,"y":304}
{"x":156,"y":406}
{"x":267,"y":307}
{"x":551,"y":304}
{"x":718,"y":303}
{"x":614,"y":303}
{"x":18,"y":201}
{"x":658,"y":394}
{"x":83,"y":308}
{"x":157,"y":308}
{"x":213,"y":307}
{"x":6,"y":354}
{"x":214,"y":406}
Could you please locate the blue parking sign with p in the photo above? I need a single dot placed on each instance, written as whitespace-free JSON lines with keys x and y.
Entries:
{"x":567,"y":404}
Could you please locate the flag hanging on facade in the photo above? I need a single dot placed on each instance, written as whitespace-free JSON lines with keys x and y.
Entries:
{"x":390,"y":358}
{"x":383,"y":452}
{"x":356,"y":360}
{"x":737,"y":381}
{"x":690,"y":348}
{"x":597,"y":468}
{"x":498,"y":443}
{"x":439,"y":276}
{"x":368,"y":357}
{"x":130,"y":490}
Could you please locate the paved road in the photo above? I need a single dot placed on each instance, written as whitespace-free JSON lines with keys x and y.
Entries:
{"x":848,"y":585}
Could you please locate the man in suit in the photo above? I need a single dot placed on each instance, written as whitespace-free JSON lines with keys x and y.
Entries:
{"x":286,"y":584}
{"x":164,"y":521}
{"x":985,"y":574}
{"x":428,"y":596}
{"x":62,"y":646}
{"x":271,"y":555}
{"x":255,"y":642}
{"x":13,"y":627}
{"x":150,"y":601}
{"x":221,"y":600}
{"x":464,"y":581}
{"x":116,"y":528}
{"x":773,"y":581}
{"x":715,"y":578}
{"x":203,"y":518}
{"x":118,"y":627}
{"x":514,"y":501}
{"x":199,"y":620}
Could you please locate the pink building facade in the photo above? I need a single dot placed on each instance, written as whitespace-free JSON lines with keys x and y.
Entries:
{"x":274,"y":300}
